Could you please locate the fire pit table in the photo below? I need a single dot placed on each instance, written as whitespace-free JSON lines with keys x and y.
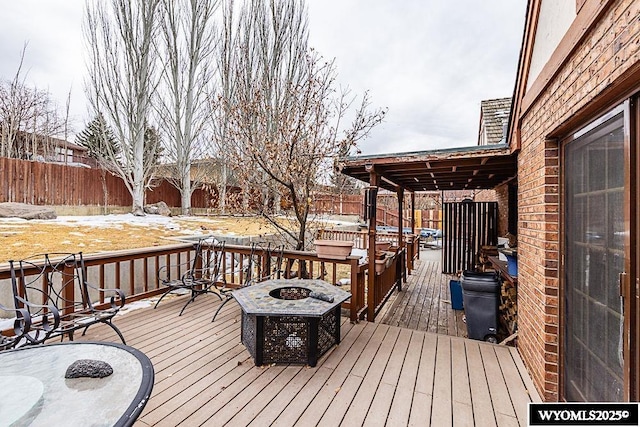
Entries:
{"x":290,"y":320}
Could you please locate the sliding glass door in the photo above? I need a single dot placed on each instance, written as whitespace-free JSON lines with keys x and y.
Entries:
{"x":596,"y":219}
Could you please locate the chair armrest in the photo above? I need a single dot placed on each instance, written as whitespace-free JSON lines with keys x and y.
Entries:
{"x":22,"y":324}
{"x":116,"y":305}
{"x":39,"y":323}
{"x":163,"y":272}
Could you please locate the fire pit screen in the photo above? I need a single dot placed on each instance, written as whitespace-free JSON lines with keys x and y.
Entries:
{"x":291,"y":292}
{"x":290,"y":321}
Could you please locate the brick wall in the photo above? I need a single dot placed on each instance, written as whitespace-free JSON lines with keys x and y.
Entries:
{"x":609,"y":50}
{"x":501,"y":195}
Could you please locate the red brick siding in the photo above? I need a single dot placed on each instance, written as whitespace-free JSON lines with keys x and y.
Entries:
{"x":606,"y":53}
{"x":501,"y":195}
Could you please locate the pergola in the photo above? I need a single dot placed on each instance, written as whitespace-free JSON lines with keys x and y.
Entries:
{"x":468,"y":168}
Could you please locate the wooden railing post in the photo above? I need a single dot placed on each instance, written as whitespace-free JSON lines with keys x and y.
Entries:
{"x":69,"y":279}
{"x":355,"y":291}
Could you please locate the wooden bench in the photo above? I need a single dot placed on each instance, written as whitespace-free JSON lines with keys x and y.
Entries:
{"x":54,"y":298}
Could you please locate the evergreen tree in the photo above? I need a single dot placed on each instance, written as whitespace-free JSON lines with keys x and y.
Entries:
{"x":98,"y":138}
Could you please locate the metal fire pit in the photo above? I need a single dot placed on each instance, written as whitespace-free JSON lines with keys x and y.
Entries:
{"x":282,"y":323}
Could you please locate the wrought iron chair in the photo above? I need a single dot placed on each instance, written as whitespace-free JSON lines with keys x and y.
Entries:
{"x":263,"y":263}
{"x":58,"y":298}
{"x":202,"y":275}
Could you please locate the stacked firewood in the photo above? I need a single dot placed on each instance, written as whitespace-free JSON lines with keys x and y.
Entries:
{"x":509,"y":306}
{"x":483,"y":257}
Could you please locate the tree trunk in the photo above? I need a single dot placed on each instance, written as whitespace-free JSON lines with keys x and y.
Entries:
{"x":185,"y":193}
{"x":277,"y":201}
{"x":245,"y":197}
{"x":222,"y":194}
{"x":138,"y":200}
{"x":105,"y":190}
{"x":138,"y":176}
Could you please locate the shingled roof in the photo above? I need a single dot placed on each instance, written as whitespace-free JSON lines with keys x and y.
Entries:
{"x":494,"y":114}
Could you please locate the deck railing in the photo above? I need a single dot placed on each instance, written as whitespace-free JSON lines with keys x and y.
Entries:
{"x":302,"y":265}
{"x":361,"y":241}
{"x":386,"y":282}
{"x":135,"y":272}
{"x":359,"y":238}
{"x":401,"y":264}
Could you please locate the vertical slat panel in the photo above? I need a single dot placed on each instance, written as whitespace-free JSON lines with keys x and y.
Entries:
{"x":467,"y":227}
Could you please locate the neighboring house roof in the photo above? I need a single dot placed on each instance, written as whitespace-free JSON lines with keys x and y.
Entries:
{"x":206,"y":171}
{"x":494,"y":116}
{"x":69,"y":145}
{"x":56,"y":142}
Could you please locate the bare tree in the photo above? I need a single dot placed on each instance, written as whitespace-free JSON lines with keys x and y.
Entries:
{"x":123,"y":78}
{"x":187,"y":47}
{"x":286,"y":114}
{"x":223,"y":91}
{"x":28,"y":118}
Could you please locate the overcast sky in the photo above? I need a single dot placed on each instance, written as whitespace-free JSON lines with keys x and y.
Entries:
{"x":430,"y":62}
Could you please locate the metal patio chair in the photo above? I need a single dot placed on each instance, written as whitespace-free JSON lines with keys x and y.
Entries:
{"x":59,"y":299}
{"x":263,"y":263}
{"x":202,"y":275}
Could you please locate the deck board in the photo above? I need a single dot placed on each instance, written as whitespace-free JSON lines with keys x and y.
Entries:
{"x":372,"y":377}
{"x":403,"y":397}
{"x":424,"y":303}
{"x":378,"y":375}
{"x":441,"y":413}
{"x":478,"y":383}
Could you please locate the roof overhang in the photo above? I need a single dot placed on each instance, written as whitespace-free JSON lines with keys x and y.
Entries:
{"x":467,"y":168}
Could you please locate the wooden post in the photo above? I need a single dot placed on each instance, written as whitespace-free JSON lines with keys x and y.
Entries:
{"x":413,"y":221}
{"x":356,"y":303}
{"x":400,"y":194}
{"x":371,"y":249}
{"x":413,"y":213}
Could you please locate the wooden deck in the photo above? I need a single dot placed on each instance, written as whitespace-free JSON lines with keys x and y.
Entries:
{"x":425,"y":301}
{"x":378,"y":375}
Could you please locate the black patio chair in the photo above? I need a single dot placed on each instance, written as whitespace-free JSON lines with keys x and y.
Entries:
{"x":202,"y":273}
{"x":263,"y":263}
{"x":59,"y":299}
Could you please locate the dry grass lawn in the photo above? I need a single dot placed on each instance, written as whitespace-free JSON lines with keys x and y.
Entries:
{"x":21,"y":239}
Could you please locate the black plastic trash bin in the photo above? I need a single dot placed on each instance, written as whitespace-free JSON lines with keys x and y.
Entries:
{"x":481,"y":295}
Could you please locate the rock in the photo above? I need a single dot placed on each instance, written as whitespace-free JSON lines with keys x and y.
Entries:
{"x":25,"y":211}
{"x":159,"y":208}
{"x":88,"y":368}
{"x":151,"y":210}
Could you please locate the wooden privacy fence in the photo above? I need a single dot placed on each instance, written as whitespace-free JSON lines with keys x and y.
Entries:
{"x":338,"y":204}
{"x":467,"y":227}
{"x":353,"y":204}
{"x":39,"y":183}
